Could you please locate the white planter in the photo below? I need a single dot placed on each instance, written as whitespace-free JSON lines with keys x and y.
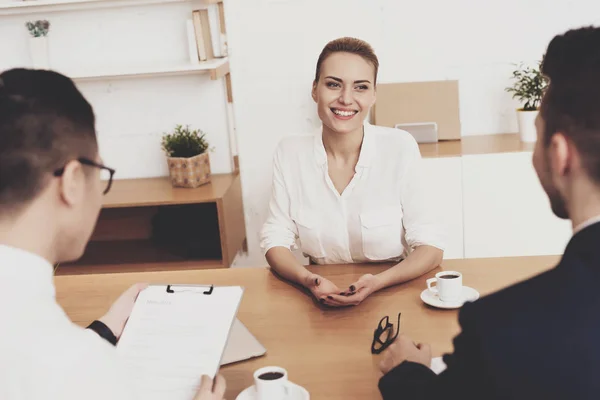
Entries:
{"x":527,"y":125}
{"x":38,"y":48}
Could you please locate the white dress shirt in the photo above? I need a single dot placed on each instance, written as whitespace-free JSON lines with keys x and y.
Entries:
{"x":382,"y":213}
{"x":43,"y":355}
{"x":586,"y":223}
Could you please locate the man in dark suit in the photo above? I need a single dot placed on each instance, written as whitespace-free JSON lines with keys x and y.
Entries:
{"x":539,"y":339}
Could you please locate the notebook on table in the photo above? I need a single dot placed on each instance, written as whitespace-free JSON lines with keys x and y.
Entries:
{"x":242,"y":345}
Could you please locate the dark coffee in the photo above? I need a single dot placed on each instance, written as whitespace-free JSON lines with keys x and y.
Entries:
{"x":449,"y":276}
{"x":270,"y":376}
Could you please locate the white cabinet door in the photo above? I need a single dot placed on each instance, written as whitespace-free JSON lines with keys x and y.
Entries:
{"x":443,"y":176}
{"x":506,"y":212}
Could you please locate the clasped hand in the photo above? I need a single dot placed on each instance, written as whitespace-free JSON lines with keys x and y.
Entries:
{"x":326,"y":292}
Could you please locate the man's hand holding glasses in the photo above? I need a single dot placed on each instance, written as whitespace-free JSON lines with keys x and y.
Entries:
{"x":397,"y":348}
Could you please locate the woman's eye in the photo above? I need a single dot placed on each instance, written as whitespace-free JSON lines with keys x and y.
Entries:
{"x":362,"y":87}
{"x":333,"y":84}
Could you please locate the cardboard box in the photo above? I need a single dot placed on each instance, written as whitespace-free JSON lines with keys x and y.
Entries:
{"x":410,"y":102}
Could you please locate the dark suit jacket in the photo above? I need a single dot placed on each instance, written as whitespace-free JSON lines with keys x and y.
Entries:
{"x":539,"y":339}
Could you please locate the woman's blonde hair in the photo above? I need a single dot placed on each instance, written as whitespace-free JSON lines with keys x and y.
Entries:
{"x":348,"y":45}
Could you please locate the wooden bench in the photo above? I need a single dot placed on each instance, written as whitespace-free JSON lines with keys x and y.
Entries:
{"x":127,"y":237}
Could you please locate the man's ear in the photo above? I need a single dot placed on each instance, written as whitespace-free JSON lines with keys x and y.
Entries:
{"x":72,"y":183}
{"x":561,"y":155}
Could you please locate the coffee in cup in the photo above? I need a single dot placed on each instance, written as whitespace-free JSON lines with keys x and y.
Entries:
{"x":271,"y":383}
{"x":270,"y":376}
{"x":448,"y":285}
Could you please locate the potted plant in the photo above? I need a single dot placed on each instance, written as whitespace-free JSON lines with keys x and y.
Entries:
{"x":187,"y":157}
{"x":38,"y":43}
{"x":528,"y":87}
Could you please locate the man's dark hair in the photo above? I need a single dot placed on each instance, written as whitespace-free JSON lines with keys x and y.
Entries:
{"x":44,"y":123}
{"x":571,"y":104}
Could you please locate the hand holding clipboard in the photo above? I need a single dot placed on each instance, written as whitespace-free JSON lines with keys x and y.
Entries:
{"x":176,"y":334}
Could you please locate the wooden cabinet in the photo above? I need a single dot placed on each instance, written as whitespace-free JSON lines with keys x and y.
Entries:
{"x":148,"y":225}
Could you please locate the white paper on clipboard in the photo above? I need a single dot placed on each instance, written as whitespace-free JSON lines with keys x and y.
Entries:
{"x":176,"y":334}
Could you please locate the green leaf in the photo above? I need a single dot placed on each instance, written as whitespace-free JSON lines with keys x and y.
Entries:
{"x":528,"y":87}
{"x":183,"y":142}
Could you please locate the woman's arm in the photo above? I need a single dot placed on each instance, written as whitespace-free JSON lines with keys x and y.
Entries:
{"x":278,"y":237}
{"x":285,"y":264}
{"x":421,"y":221}
{"x":420,"y":261}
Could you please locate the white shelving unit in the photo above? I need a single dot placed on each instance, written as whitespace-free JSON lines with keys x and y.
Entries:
{"x":216,"y":67}
{"x":33,"y":6}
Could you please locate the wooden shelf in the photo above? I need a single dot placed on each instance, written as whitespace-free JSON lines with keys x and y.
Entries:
{"x":35,"y":6}
{"x":148,"y":225}
{"x":146,"y":192}
{"x":131,"y":256}
{"x":217,"y":68}
{"x":480,"y":144}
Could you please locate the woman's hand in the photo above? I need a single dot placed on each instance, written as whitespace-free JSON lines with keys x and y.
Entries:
{"x":359,"y":290}
{"x":323,"y":289}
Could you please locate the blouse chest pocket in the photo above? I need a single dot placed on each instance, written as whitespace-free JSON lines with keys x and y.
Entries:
{"x":309,"y":232}
{"x":382,"y":233}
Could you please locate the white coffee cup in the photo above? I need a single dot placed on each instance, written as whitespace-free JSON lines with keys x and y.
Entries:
{"x":448,"y":285}
{"x":271,"y":383}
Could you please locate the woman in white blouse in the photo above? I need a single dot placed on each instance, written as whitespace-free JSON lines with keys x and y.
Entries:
{"x":350,"y":193}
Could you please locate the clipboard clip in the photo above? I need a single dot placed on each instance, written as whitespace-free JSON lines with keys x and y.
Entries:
{"x":186,"y":288}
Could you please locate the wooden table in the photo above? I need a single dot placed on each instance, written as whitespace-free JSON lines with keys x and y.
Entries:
{"x":325,"y":350}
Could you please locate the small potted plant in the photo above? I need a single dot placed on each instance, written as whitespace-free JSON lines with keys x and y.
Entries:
{"x":38,"y":43}
{"x":187,"y":157}
{"x":528,"y":87}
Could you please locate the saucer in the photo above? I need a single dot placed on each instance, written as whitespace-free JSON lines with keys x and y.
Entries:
{"x":468,"y":294}
{"x":297,"y":393}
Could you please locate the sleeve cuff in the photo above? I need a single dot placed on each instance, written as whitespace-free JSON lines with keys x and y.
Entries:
{"x":406,"y":378}
{"x":103,"y":331}
{"x":268,"y":246}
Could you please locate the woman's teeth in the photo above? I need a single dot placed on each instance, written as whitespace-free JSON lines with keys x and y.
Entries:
{"x":344,"y":113}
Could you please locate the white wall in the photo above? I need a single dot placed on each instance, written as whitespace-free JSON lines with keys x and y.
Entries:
{"x":275,"y":44}
{"x":131,"y":114}
{"x":506,"y":212}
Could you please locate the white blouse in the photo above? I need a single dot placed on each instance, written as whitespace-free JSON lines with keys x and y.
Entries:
{"x":382,"y":213}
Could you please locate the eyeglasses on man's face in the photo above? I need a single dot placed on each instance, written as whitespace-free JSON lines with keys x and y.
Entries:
{"x":384,"y":335}
{"x":106,"y":173}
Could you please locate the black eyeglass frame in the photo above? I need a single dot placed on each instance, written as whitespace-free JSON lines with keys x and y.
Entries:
{"x":88,"y":162}
{"x":380,"y":330}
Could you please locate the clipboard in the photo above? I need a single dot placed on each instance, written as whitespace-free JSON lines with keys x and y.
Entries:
{"x":176,"y":334}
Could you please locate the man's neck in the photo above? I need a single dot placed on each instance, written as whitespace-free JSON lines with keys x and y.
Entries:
{"x":343,"y":146}
{"x":24,"y":232}
{"x":585,"y":207}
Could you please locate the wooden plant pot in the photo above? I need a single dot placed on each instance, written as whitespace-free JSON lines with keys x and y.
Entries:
{"x":189,"y":172}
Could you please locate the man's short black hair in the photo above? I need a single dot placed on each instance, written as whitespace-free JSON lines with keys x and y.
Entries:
{"x":44,"y":123}
{"x":571,"y":104}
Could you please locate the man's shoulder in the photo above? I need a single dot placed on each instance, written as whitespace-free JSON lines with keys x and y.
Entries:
{"x":519,"y":301}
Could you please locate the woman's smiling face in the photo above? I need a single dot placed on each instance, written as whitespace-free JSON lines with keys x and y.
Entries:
{"x":345,"y":92}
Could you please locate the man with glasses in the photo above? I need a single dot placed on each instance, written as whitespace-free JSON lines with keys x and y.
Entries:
{"x":50,"y":197}
{"x":537,"y":339}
